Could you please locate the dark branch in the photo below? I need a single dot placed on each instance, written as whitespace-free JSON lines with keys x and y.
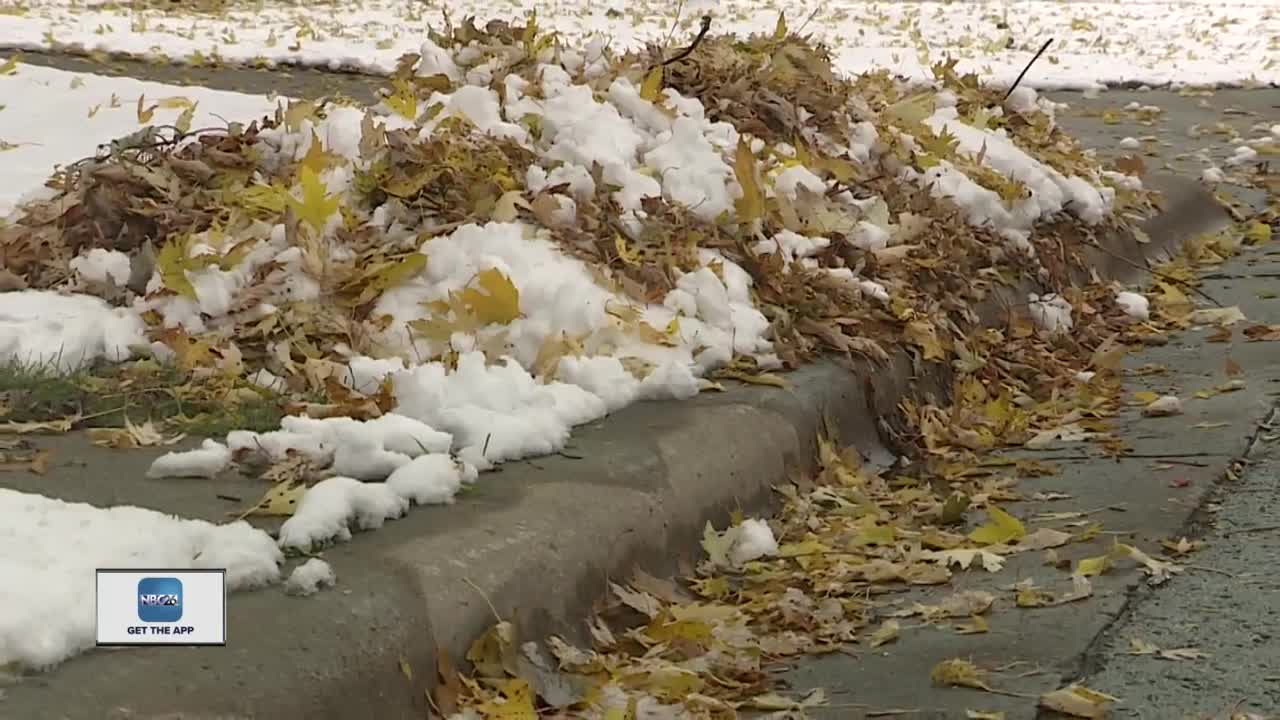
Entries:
{"x":1023,"y":74}
{"x":702,"y":32}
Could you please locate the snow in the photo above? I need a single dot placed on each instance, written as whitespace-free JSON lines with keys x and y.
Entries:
{"x":328,"y":509}
{"x":428,"y":479}
{"x":1050,"y":190}
{"x":103,"y":266}
{"x":1213,"y":175}
{"x":754,"y":539}
{"x":56,"y":117}
{"x":309,"y":577}
{"x":1163,"y":406}
{"x":64,"y":332}
{"x":1151,"y":42}
{"x":1134,"y":305}
{"x":1243,"y":155}
{"x":211,"y":458}
{"x":1051,"y":313}
{"x":49,"y":550}
{"x":333,"y":507}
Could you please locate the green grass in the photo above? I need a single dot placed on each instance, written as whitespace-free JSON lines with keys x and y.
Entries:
{"x":104,"y":395}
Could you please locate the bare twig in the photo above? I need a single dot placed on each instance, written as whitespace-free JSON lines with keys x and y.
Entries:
{"x":484,"y":597}
{"x":1014,"y":86}
{"x":1216,"y":571}
{"x":702,"y":33}
{"x":805,"y":24}
{"x":675,"y":23}
{"x":1255,"y":529}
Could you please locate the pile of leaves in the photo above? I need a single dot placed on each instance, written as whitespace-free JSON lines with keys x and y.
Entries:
{"x":162,"y":192}
{"x":854,"y":546}
{"x":865,"y":554}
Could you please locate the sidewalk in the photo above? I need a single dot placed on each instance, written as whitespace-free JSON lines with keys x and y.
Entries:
{"x":1168,"y":488}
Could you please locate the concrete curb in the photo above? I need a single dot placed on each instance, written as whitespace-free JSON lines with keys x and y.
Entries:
{"x":537,"y":540}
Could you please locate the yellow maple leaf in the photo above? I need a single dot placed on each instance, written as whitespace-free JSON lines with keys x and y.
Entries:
{"x":497,"y":300}
{"x":1257,"y":233}
{"x":751,"y":205}
{"x":404,"y":101}
{"x":1003,"y":528}
{"x":295,"y":113}
{"x":517,"y":702}
{"x":317,"y":158}
{"x":10,"y":66}
{"x":1077,"y":701}
{"x":171,"y":262}
{"x":922,"y":334}
{"x":959,"y":673}
{"x":385,"y":275}
{"x":886,"y":633}
{"x":316,"y":205}
{"x":281,"y":500}
{"x":780,"y":29}
{"x":185,"y":118}
{"x":912,"y":110}
{"x":1088,"y":567}
{"x":652,"y":86}
{"x":145,"y":113}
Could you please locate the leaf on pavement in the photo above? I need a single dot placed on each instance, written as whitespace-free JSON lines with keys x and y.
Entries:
{"x":886,"y":633}
{"x":752,"y":378}
{"x":959,"y":673}
{"x":641,"y":602}
{"x":493,"y":654}
{"x":61,"y":425}
{"x":37,"y":462}
{"x":964,"y":557}
{"x":1078,"y":701}
{"x":1002,"y":528}
{"x":1088,"y":567}
{"x":774,"y":701}
{"x":1222,"y":317}
{"x":1159,"y":571}
{"x":516,"y":702}
{"x":281,"y":500}
{"x":976,"y":626}
{"x":1043,"y":539}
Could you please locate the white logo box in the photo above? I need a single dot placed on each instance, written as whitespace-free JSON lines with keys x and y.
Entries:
{"x":202,"y":605}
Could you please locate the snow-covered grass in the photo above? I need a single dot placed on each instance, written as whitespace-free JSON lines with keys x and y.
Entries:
{"x":49,"y":550}
{"x":51,"y":117}
{"x":65,"y":332}
{"x":1114,"y":42}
